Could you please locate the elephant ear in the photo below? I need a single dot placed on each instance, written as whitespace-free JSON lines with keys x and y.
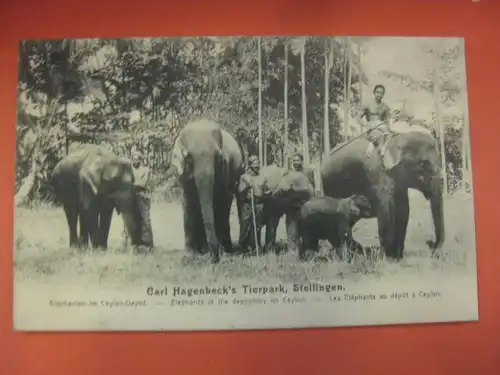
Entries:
{"x":91,"y":175}
{"x":394,"y":152}
{"x":179,"y":153}
{"x":115,"y":173}
{"x":103,"y":175}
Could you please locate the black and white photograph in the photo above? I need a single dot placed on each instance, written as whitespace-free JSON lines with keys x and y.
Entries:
{"x":235,"y":183}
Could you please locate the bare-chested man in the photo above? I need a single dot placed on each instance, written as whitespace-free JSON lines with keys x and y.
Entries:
{"x":247,"y":181}
{"x":298,"y":166}
{"x":378,"y":118}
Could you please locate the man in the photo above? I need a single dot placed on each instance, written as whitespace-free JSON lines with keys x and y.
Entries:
{"x":378,"y":119}
{"x":298,"y":166}
{"x":142,"y":187}
{"x":245,"y":192}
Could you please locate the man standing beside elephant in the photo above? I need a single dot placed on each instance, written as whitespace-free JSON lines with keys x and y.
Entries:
{"x":298,"y":166}
{"x":378,"y":122}
{"x":142,"y":186}
{"x":249,"y":207}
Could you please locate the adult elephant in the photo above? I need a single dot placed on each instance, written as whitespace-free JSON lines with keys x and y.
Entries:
{"x":209,"y":162}
{"x":415,"y":164}
{"x":282,"y":192}
{"x":90,"y":183}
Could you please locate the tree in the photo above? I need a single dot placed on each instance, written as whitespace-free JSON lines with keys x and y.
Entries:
{"x":138,"y":93}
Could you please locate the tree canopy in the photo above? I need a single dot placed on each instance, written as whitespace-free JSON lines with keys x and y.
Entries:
{"x":140,"y":92}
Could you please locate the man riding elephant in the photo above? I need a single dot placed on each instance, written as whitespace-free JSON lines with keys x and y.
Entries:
{"x":409,"y":159}
{"x":375,"y":117}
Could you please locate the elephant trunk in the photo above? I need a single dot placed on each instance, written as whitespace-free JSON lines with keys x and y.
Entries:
{"x":436,"y":202}
{"x":204,"y":179}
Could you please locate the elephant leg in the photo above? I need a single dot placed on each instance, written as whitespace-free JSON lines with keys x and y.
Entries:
{"x":194,"y":232}
{"x":385,"y":221}
{"x":355,"y":246}
{"x":105,"y":216}
{"x":93,"y":225}
{"x":71,"y":211}
{"x":291,"y":229}
{"x":145,"y":232}
{"x":386,"y":217}
{"x":271,"y":223}
{"x":402,"y":214}
{"x":307,"y":247}
{"x":303,"y":246}
{"x":84,"y":228}
{"x":336,"y":248}
{"x":224,"y":227}
{"x":89,"y":227}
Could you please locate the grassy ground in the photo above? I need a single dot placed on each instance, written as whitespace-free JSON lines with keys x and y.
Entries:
{"x":41,"y":253}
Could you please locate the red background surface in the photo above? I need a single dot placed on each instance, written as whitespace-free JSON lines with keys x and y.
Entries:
{"x":472,"y":348}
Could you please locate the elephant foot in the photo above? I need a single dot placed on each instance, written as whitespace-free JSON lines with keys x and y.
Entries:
{"x":228,"y":248}
{"x":214,"y":258}
{"x":307,"y":255}
{"x":196,"y":259}
{"x":143,"y":249}
{"x":214,"y":252}
{"x":391,"y":259}
{"x":436,"y":254}
{"x":435,"y":249}
{"x":248,"y":252}
{"x":282,"y":249}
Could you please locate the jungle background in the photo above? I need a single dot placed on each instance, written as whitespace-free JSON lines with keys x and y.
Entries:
{"x":277,"y":95}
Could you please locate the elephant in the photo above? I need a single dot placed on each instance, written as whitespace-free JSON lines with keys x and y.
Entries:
{"x":209,"y":163}
{"x":90,"y":183}
{"x":326,"y":218}
{"x":349,"y":169}
{"x":282,"y":192}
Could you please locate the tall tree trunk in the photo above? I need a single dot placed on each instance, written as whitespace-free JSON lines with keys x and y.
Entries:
{"x":360,"y":81}
{"x":305,"y":138}
{"x":326,"y":113}
{"x":264,"y":152}
{"x":347,"y":86}
{"x":439,"y":122}
{"x":285,"y":101}
{"x":260,"y":100}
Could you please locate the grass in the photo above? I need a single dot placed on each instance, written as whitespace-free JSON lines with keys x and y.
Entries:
{"x":41,"y":253}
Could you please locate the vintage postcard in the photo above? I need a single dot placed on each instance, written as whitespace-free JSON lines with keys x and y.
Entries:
{"x":228,"y":183}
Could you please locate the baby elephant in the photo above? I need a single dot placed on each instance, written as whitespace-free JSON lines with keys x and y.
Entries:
{"x":325,"y":218}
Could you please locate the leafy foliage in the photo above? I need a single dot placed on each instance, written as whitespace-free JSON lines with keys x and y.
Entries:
{"x":138,"y":93}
